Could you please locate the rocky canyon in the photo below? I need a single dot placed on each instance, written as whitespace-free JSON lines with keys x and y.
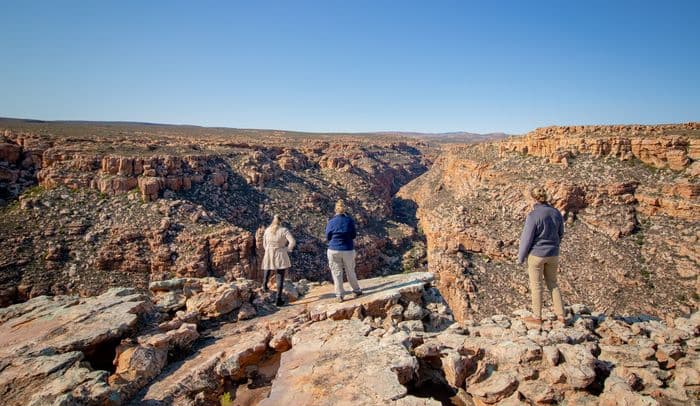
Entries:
{"x":130,"y":267}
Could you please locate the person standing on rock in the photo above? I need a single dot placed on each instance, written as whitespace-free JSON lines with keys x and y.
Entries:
{"x":278,"y":243}
{"x":539,"y":242}
{"x":340,"y":234}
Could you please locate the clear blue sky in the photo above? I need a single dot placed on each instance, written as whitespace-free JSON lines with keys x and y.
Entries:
{"x":352,"y":65}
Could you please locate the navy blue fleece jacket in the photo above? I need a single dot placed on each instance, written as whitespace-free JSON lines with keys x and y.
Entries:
{"x":340,"y":233}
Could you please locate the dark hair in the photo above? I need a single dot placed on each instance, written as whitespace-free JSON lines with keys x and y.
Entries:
{"x":538,"y":193}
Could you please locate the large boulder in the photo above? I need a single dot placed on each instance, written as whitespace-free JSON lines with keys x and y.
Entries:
{"x":337,"y":363}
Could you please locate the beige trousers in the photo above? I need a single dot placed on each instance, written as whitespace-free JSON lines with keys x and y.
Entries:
{"x":539,"y":268}
{"x":339,"y":260}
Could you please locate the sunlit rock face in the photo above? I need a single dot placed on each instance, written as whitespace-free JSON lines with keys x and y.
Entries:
{"x":630,"y":196}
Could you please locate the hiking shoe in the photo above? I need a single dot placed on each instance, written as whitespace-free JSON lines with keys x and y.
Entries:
{"x":532,"y":321}
{"x":340,"y":299}
{"x":358,"y":294}
{"x":279,"y":303}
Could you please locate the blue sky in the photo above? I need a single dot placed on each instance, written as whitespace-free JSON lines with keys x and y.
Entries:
{"x":331,"y":65}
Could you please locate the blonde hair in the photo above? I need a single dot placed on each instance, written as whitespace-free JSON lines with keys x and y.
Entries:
{"x":538,"y":193}
{"x":339,"y":207}
{"x":275,"y":223}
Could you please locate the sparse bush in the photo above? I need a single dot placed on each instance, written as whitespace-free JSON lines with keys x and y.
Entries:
{"x":225,"y":399}
{"x":34,"y":191}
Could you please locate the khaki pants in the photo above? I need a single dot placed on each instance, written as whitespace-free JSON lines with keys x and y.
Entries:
{"x":339,"y":260}
{"x":537,"y":268}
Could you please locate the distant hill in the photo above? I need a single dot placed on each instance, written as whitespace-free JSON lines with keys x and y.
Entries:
{"x":455,"y":136}
{"x":447,"y":137}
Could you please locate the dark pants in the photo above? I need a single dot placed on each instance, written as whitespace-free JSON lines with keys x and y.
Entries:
{"x":279,"y":280}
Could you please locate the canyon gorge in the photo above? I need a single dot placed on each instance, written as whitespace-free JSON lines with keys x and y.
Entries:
{"x":130,"y":266}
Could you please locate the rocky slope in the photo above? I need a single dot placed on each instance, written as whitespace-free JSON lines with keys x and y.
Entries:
{"x":630,"y":196}
{"x":89,"y":206}
{"x":205,"y":341}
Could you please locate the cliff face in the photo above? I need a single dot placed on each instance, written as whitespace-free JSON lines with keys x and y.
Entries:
{"x":674,"y":146}
{"x":87,"y":207}
{"x":630,"y":196}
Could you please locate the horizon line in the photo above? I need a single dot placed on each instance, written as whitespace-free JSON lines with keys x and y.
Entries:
{"x":152,"y":123}
{"x":384,"y":132}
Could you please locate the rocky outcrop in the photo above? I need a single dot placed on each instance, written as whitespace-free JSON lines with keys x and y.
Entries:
{"x":208,"y":297}
{"x":17,"y":169}
{"x":104,"y":349}
{"x":237,"y":353}
{"x":154,"y":174}
{"x":45,"y":342}
{"x":374,"y":302}
{"x":199,"y":377}
{"x":397,"y":344}
{"x":661,"y":146}
{"x":594,"y":359}
{"x":120,"y":174}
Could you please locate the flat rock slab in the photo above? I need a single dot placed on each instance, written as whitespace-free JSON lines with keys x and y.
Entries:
{"x":335,"y":363}
{"x":379,"y":295}
{"x":41,"y":344}
{"x":66,"y":323}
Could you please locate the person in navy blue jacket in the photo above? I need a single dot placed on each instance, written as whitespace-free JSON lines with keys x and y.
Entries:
{"x":340,"y":234}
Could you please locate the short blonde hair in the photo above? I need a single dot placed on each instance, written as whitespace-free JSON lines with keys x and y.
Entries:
{"x":339,"y":207}
{"x":538,"y":193}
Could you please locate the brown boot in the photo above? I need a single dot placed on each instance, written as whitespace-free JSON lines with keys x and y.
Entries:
{"x":532,"y":321}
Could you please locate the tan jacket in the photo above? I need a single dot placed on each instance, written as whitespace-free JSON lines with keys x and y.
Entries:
{"x":276,"y":248}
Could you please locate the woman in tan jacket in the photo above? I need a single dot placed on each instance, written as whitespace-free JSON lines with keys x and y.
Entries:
{"x":278,"y":242}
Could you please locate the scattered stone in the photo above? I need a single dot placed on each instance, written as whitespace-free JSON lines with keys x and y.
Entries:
{"x":455,"y":367}
{"x":414,"y":312}
{"x":282,"y":341}
{"x":495,"y":388}
{"x":246,"y":312}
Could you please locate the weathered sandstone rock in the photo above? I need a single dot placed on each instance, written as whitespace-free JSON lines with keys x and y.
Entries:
{"x":322,"y":367}
{"x":376,"y":301}
{"x":43,"y":342}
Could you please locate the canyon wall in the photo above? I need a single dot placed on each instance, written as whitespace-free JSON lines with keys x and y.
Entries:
{"x":86,"y":207}
{"x":630,"y":196}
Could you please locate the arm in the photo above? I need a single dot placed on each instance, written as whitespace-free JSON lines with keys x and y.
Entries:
{"x":526,"y":239}
{"x":329,"y":232}
{"x":561,"y":227}
{"x":265,"y":242}
{"x":290,"y":239}
{"x":353,"y":231}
